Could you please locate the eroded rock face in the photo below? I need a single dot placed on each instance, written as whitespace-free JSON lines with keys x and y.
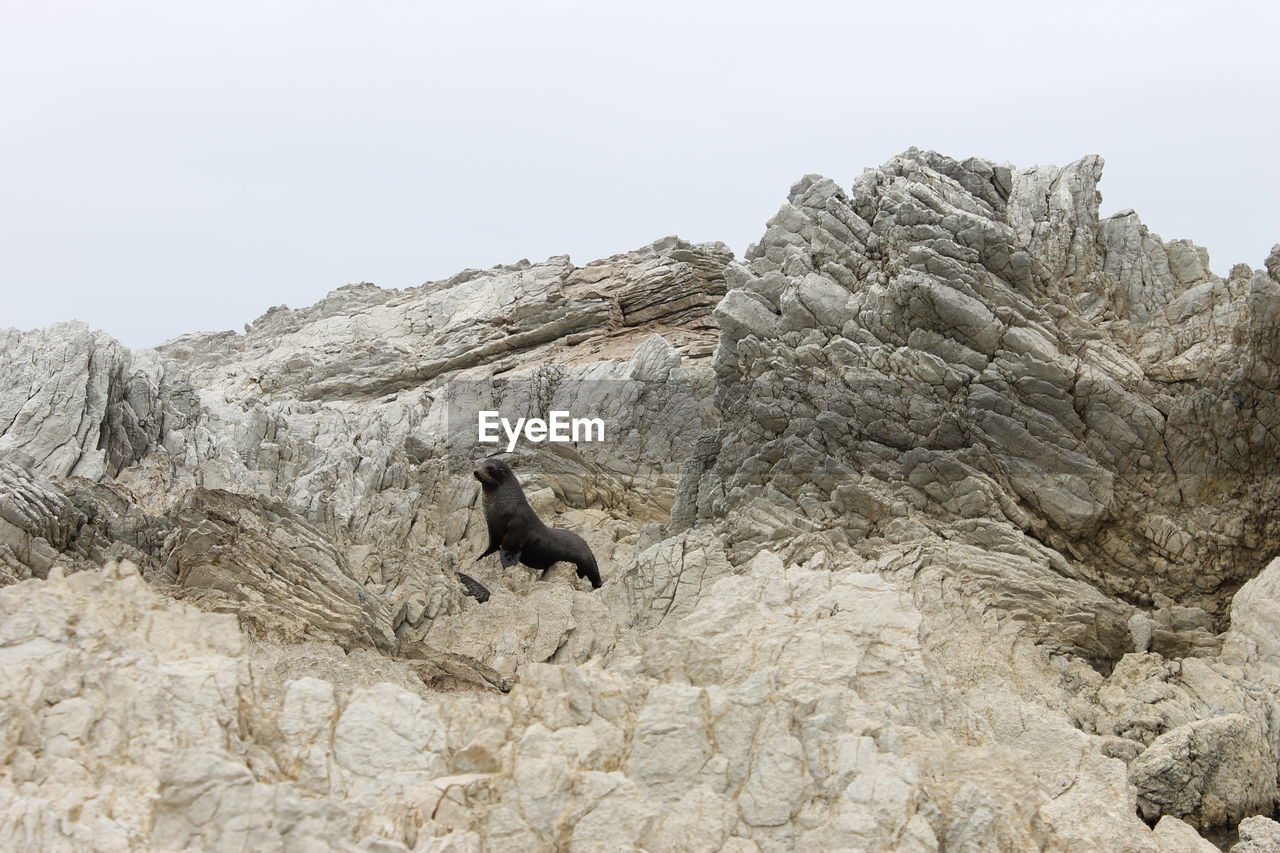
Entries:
{"x":303,"y":474}
{"x":922,"y":529}
{"x":76,"y":403}
{"x":1213,"y":771}
{"x":133,"y":722}
{"x":957,"y":346}
{"x":793,"y":743}
{"x":273,"y":568}
{"x":1258,"y":835}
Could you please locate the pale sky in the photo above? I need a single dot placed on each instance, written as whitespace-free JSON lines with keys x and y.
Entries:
{"x":171,"y":166}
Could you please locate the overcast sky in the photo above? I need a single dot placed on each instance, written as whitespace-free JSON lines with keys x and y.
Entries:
{"x":168,"y":166}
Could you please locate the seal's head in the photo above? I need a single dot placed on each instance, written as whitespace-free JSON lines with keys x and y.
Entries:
{"x":492,"y":473}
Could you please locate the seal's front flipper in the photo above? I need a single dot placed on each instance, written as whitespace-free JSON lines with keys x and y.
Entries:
{"x":509,"y":558}
{"x":474,"y":588}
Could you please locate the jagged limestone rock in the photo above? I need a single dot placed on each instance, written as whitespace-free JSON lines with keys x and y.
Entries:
{"x":966,"y":343}
{"x":325,"y":422}
{"x":1210,"y":772}
{"x":920,"y":531}
{"x":1175,"y":836}
{"x":1258,"y":835}
{"x":76,"y":402}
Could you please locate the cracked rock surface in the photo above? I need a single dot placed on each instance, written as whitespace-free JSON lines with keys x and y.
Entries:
{"x":944,"y":520}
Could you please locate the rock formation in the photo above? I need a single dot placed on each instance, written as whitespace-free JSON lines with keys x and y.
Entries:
{"x":943,"y":520}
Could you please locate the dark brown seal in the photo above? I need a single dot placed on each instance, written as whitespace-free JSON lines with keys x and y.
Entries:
{"x":516,"y":532}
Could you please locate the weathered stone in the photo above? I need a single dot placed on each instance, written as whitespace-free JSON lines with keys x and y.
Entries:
{"x":1175,"y":836}
{"x":1209,"y":772}
{"x":1258,"y":835}
{"x":920,"y":529}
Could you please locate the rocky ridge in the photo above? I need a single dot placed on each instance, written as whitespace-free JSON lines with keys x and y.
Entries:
{"x":942,"y":520}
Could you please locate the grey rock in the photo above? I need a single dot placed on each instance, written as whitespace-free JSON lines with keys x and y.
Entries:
{"x":38,"y":523}
{"x":1258,"y":835}
{"x":329,"y":423}
{"x":1007,"y":356}
{"x":1209,"y":772}
{"x":282,"y":575}
{"x":938,"y":521}
{"x":1175,"y":836}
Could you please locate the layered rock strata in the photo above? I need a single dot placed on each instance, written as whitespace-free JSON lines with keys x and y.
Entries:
{"x":943,"y":520}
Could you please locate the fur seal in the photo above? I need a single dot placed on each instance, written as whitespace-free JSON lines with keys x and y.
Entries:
{"x":518,"y":534}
